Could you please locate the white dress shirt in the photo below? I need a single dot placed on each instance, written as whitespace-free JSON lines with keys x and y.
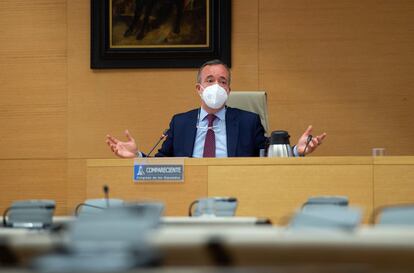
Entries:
{"x":219,"y":128}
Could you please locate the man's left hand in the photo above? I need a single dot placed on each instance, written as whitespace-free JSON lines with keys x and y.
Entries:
{"x":303,"y":148}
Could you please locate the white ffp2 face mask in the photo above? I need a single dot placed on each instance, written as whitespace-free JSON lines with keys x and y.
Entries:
{"x":214,"y":96}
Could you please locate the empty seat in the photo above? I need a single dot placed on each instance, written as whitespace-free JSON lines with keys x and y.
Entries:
{"x":402,"y":215}
{"x":325,"y":200}
{"x":214,"y":206}
{"x":30,"y":214}
{"x":327,"y":217}
{"x":93,"y":206}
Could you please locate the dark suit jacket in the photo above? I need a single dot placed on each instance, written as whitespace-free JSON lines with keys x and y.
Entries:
{"x":245,"y":134}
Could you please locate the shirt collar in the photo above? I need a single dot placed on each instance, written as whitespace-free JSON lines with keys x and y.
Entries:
{"x":221,"y":115}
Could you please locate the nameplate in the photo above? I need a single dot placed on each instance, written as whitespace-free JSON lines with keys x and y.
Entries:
{"x":159,"y":170}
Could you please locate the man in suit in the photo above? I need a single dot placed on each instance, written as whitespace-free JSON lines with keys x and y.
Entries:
{"x":213,"y":130}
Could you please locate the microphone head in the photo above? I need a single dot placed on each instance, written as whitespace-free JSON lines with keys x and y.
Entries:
{"x":105,"y":189}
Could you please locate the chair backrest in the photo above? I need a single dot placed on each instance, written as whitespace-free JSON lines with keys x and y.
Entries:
{"x":327,"y":217}
{"x":253,"y":101}
{"x":324,"y":201}
{"x":93,"y":206}
{"x":397,"y":215}
{"x":214,"y":206}
{"x":147,"y":209}
{"x":30,"y":214}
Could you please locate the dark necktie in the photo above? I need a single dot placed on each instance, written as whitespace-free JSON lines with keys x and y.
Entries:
{"x":210,"y":142}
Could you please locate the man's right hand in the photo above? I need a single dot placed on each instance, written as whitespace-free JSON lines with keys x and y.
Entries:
{"x":123,"y":149}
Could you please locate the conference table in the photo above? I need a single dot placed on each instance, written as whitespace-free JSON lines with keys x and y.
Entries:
{"x":241,"y":243}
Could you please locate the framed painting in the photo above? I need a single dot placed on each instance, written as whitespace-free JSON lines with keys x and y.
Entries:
{"x":159,"y":33}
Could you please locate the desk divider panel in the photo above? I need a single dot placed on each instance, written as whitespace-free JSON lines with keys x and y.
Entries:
{"x":265,"y":187}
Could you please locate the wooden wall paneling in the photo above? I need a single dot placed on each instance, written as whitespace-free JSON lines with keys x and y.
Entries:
{"x":33,"y":79}
{"x":76,"y":183}
{"x":245,"y":51}
{"x":145,"y":112}
{"x":342,"y":66}
{"x":33,"y":179}
{"x":142,"y":100}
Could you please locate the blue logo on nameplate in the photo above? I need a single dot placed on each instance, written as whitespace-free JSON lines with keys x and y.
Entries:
{"x":163,"y":172}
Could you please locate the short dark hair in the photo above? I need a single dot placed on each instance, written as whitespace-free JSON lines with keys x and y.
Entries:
{"x":212,"y":62}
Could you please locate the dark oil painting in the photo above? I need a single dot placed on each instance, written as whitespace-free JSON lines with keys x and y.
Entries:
{"x":159,"y":23}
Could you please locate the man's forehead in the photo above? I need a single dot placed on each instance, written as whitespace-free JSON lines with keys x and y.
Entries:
{"x":214,"y":71}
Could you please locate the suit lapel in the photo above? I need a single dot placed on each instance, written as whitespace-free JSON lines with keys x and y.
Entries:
{"x":232,"y":131}
{"x":191,"y":128}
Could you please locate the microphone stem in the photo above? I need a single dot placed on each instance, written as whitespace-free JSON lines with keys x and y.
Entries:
{"x":107,"y":199}
{"x":106,"y":192}
{"x":161,"y":138}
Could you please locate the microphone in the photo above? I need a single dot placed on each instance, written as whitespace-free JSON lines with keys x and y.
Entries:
{"x":105,"y":189}
{"x":308,"y":140}
{"x":106,"y":192}
{"x":163,"y":136}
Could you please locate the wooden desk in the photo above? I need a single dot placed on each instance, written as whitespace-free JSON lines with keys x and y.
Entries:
{"x":265,"y":187}
{"x":276,"y":246}
{"x":369,"y":249}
